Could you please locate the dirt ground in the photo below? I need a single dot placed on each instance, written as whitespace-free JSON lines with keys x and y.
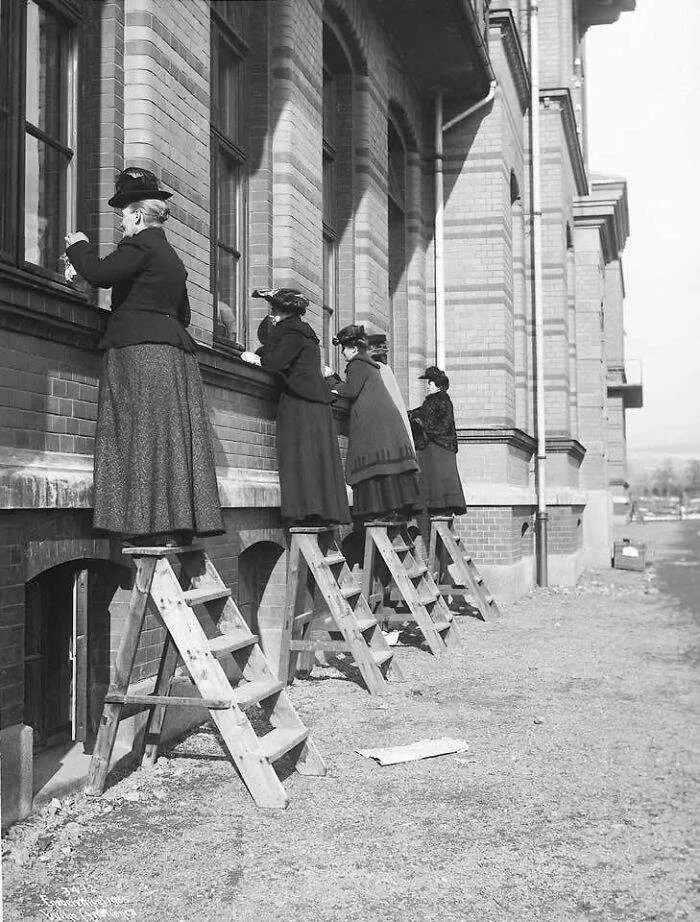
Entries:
{"x":576,"y":800}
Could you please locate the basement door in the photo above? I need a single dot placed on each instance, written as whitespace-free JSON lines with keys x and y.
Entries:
{"x":55,"y":661}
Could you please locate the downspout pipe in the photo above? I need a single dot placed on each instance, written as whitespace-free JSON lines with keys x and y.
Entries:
{"x":440,"y":128}
{"x":541,"y":516}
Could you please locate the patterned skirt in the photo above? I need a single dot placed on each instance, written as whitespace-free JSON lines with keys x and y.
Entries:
{"x":154,"y":461}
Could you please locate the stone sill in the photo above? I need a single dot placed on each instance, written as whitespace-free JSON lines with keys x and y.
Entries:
{"x":55,"y":480}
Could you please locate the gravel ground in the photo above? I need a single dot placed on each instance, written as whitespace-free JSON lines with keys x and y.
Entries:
{"x":576,"y":799}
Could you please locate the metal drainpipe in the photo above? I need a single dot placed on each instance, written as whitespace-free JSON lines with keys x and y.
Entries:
{"x":541,"y":516}
{"x":440,"y":129}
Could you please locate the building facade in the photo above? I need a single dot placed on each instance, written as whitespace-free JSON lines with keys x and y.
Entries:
{"x":299,"y":140}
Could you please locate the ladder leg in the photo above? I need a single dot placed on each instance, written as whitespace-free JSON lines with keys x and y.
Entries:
{"x":124,"y":663}
{"x":156,"y":716}
{"x":295,"y":571}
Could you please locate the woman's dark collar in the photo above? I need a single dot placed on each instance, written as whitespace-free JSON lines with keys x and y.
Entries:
{"x":363,"y":357}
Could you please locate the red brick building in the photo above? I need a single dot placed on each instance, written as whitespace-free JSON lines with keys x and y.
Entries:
{"x":299,"y":140}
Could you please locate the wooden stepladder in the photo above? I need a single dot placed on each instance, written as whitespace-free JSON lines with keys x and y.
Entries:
{"x":324,"y":601}
{"x":391,"y":560}
{"x":248,"y":679}
{"x":455,"y":571}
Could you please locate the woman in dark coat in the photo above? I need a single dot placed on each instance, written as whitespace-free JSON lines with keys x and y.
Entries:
{"x":381,"y":463}
{"x":308,"y":457}
{"x":154,"y":479}
{"x":435,"y":437}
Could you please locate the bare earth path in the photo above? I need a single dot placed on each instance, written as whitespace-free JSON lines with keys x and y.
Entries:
{"x":577,"y":798}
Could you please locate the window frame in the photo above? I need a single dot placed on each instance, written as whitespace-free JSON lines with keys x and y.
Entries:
{"x":13,"y":216}
{"x":224,"y":146}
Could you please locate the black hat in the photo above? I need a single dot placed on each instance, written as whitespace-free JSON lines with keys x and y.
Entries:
{"x":352,"y":335}
{"x":135,"y":184}
{"x":289,"y":300}
{"x":437,"y":376}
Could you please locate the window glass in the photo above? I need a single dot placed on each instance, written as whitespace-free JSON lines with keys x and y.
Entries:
{"x":44,"y":197}
{"x":47,"y":149}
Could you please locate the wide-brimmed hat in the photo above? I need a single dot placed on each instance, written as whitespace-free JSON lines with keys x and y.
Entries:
{"x":288,"y":300}
{"x":352,"y":335}
{"x":437,"y":376}
{"x":135,"y":184}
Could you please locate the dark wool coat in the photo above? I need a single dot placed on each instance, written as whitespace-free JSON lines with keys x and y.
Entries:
{"x":292,"y":350}
{"x":379,"y":444}
{"x":149,"y":294}
{"x":434,"y":421}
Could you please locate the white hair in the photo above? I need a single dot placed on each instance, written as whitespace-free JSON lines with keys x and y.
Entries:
{"x":153,"y":210}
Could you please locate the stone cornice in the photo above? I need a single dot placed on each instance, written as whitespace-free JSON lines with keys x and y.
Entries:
{"x":510,"y":36}
{"x":602,"y":12}
{"x":515,"y":438}
{"x":564,"y":444}
{"x":561,"y":98}
{"x":606,"y":208}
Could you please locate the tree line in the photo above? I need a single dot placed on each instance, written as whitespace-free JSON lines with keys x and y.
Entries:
{"x":667,"y":479}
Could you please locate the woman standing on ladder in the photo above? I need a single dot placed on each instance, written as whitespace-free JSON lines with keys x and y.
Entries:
{"x":435,"y":438}
{"x":308,"y":458}
{"x":381,"y":463}
{"x":154,"y":475}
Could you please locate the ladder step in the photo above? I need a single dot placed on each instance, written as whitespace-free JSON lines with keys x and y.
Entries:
{"x":441,"y":626}
{"x":276,"y":743}
{"x":381,"y":656}
{"x":349,"y":592}
{"x":365,"y":624}
{"x":332,"y":559}
{"x":215,"y":704}
{"x":417,"y":571}
{"x":252,"y":692}
{"x":426,"y":597}
{"x":202,"y":596}
{"x":321,"y":644}
{"x":227,"y":643}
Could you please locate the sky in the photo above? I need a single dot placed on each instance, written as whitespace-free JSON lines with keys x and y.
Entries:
{"x":643,"y":81}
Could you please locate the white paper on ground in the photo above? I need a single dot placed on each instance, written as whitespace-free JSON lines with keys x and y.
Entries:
{"x":423,"y":749}
{"x":630,"y":552}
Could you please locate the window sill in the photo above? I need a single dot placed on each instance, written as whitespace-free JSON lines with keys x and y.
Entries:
{"x":25,"y":278}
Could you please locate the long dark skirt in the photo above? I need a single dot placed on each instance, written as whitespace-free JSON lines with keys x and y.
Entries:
{"x":441,"y":488}
{"x":154,"y":462}
{"x":392,"y":493}
{"x":308,"y":458}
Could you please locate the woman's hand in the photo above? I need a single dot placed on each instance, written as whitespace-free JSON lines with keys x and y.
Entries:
{"x":75,"y":238}
{"x":250,"y":357}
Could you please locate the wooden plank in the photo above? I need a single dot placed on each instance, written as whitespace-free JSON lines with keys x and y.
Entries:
{"x":156,"y":717}
{"x":80,"y":656}
{"x":227,"y":643}
{"x":99,"y":764}
{"x":279,"y":741}
{"x":168,"y":701}
{"x":161,"y":550}
{"x":325,"y":646}
{"x":208,"y":594}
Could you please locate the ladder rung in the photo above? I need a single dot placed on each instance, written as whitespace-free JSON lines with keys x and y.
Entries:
{"x":227,"y":643}
{"x":332,"y":559}
{"x":365,"y":624}
{"x":321,"y":644}
{"x":252,"y":692}
{"x":216,"y":704}
{"x":400,"y":548}
{"x":277,"y":742}
{"x":441,"y":626}
{"x":447,"y":589}
{"x":209,"y":594}
{"x":426,"y":597}
{"x":417,"y":571}
{"x":202,"y":596}
{"x":381,"y":656}
{"x":349,"y":592}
